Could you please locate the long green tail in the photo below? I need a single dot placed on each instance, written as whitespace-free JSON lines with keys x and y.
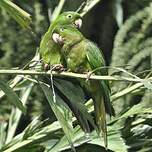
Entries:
{"x":102,"y":105}
{"x":100,"y":114}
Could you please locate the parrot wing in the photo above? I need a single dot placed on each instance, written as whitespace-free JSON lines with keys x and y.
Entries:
{"x":102,"y":95}
{"x":49,"y":50}
{"x":96,"y":60}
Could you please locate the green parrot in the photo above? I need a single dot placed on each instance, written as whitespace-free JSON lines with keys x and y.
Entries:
{"x":82,"y":56}
{"x":49,"y":50}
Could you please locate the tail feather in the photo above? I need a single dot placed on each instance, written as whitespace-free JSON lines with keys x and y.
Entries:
{"x":102,"y":105}
{"x":106,"y":94}
{"x":100,"y":115}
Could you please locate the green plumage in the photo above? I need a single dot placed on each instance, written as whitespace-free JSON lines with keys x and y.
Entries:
{"x":51,"y":54}
{"x":82,"y":56}
{"x":49,"y":50}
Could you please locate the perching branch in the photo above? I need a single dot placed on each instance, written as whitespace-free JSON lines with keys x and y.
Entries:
{"x":21,"y":73}
{"x":73,"y":75}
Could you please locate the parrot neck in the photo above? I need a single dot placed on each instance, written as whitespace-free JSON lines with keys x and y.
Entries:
{"x":70,"y":44}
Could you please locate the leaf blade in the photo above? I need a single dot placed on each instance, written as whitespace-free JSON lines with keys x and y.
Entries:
{"x":12,"y":96}
{"x":59,"y":112}
{"x":22,"y":17}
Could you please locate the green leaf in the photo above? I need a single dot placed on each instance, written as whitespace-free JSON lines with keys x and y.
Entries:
{"x":88,"y":6}
{"x":147,"y":83}
{"x":136,"y":109}
{"x":12,"y":96}
{"x":57,"y":10}
{"x":115,"y":141}
{"x":78,"y":138}
{"x":37,"y":131}
{"x":16,"y":113}
{"x":60,"y":112}
{"x":22,"y":17}
{"x":3,"y":126}
{"x":32,"y":148}
{"x":12,"y":84}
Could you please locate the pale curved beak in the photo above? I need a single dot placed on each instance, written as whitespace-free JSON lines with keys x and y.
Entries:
{"x":57,"y":38}
{"x":78,"y":23}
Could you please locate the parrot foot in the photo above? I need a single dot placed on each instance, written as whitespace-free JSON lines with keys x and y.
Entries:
{"x":57,"y":67}
{"x":46,"y":67}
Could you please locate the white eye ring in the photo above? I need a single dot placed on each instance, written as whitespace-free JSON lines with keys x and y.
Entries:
{"x":61,"y":29}
{"x":69,"y":16}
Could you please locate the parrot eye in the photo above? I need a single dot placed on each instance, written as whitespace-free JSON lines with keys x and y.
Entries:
{"x":61,"y":29}
{"x":69,"y":16}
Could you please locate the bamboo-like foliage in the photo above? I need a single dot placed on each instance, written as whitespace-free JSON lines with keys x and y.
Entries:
{"x":132,"y":50}
{"x":132,"y":47}
{"x":130,"y":79}
{"x":22,"y":17}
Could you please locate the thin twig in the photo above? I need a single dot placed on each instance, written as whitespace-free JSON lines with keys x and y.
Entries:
{"x":52,"y":86}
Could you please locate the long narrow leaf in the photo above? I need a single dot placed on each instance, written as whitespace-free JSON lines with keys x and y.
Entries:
{"x":116,"y":143}
{"x":89,"y":5}
{"x":22,"y":17}
{"x":16,"y":114}
{"x":59,"y":112}
{"x":12,"y":96}
{"x":79,"y":138}
{"x":3,"y":126}
{"x":115,"y":140}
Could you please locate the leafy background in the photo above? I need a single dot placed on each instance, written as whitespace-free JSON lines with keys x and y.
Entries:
{"x":123,"y":29}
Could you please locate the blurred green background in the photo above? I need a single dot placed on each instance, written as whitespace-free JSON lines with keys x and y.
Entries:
{"x":121,"y":28}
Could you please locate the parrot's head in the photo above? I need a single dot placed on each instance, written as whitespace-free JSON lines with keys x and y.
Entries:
{"x":66,"y":34}
{"x":70,"y":18}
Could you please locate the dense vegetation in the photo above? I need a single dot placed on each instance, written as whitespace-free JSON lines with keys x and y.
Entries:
{"x":123,"y":29}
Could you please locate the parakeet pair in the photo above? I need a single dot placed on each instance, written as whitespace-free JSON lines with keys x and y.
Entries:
{"x":50,"y":53}
{"x":65,"y":44}
{"x":82,"y":56}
